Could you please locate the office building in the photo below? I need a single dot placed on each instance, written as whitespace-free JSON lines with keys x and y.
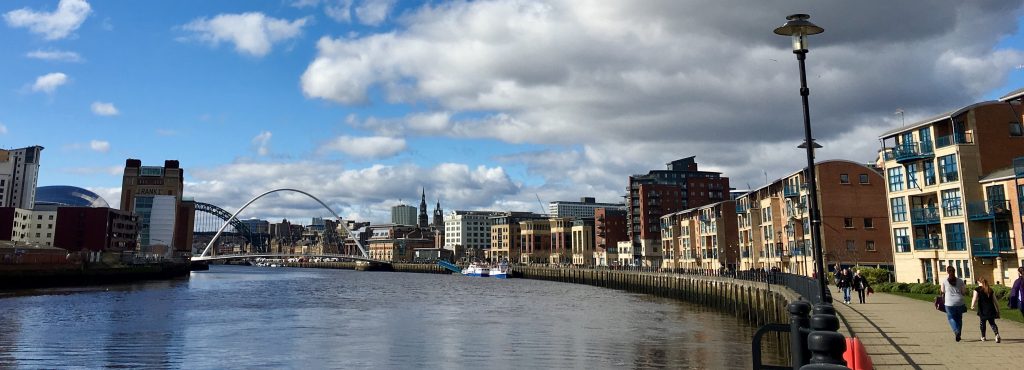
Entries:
{"x":403,"y":214}
{"x":19,"y":174}
{"x":582,"y":209}
{"x":155,"y":195}
{"x":468,"y":233}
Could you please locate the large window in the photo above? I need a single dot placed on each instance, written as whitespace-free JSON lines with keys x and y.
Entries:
{"x":895,"y":179}
{"x":951,"y":203}
{"x":947,"y":168}
{"x":929,"y":172}
{"x":912,"y":176}
{"x":1015,"y":129}
{"x":899,"y":209}
{"x":901,"y":239}
{"x":955,"y":237}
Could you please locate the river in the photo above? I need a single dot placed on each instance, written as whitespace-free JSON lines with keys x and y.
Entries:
{"x":246,"y":317}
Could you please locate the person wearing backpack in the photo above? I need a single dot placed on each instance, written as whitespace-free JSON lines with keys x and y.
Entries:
{"x":953,"y":289}
{"x":988,"y":308}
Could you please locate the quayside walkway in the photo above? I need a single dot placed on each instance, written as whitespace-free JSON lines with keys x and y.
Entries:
{"x":905,"y":333}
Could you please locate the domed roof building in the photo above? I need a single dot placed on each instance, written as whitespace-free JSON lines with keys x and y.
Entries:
{"x":68,"y":196}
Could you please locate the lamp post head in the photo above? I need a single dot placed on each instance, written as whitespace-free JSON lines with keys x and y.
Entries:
{"x":798,"y":27}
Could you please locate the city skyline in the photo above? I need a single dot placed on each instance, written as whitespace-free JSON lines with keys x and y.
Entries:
{"x":487,"y":104}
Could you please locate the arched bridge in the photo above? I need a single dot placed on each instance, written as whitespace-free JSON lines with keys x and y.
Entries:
{"x":233,"y":218}
{"x":281,"y":255}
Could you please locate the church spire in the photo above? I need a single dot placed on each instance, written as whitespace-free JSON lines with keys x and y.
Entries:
{"x":423,"y":209}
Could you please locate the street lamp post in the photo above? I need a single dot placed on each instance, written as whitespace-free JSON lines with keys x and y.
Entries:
{"x":798,"y":27}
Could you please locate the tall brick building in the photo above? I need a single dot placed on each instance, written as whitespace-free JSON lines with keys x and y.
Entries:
{"x":680,"y":186}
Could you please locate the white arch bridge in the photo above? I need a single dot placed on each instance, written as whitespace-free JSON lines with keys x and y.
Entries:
{"x":208,"y":256}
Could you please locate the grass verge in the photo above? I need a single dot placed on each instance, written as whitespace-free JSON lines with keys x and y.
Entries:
{"x":1005,"y":313}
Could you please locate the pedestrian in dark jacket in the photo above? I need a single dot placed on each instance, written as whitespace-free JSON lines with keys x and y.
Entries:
{"x":844,"y":281}
{"x":988,"y":308}
{"x":1017,"y":293}
{"x":860,"y":284}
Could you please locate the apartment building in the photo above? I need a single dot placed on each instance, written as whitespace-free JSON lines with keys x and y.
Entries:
{"x":680,"y":186}
{"x":561,"y":241}
{"x":774,"y":226}
{"x":506,"y":241}
{"x":583,"y":242}
{"x":947,"y":205}
{"x":535,"y":240}
{"x":705,"y":237}
{"x":583,"y":209}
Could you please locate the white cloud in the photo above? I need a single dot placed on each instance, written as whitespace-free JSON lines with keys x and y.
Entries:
{"x":112,"y":194}
{"x":262,"y":143}
{"x":304,"y":3}
{"x":111,"y":170}
{"x":339,"y":10}
{"x":634,"y":85}
{"x":366,"y":147}
{"x":252,"y":33}
{"x":104,"y":109}
{"x":364,"y":193}
{"x":374,"y":12}
{"x":101,"y":146}
{"x":53,"y":25}
{"x":55,"y":55}
{"x":49,"y":82}
{"x":3,"y":129}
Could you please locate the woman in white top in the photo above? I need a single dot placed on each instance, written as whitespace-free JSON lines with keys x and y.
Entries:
{"x":954,"y":290}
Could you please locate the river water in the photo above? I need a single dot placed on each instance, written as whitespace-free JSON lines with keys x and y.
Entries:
{"x":249,"y":317}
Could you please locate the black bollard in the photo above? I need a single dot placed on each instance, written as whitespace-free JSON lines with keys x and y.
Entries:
{"x":824,"y":367}
{"x":798,"y":323}
{"x":827,"y":347}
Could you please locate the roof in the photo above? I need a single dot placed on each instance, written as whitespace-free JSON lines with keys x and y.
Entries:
{"x":706,"y":206}
{"x":999,"y":175}
{"x":931,"y":120}
{"x":816,"y":164}
{"x":1013,"y":95}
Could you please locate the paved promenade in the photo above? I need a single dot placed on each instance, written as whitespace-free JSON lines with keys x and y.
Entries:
{"x":904,"y":333}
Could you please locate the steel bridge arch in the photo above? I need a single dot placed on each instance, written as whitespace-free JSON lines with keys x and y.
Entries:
{"x":240,"y":227}
{"x":234,"y":216}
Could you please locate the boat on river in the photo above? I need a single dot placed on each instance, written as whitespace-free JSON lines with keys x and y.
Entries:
{"x":500,"y":271}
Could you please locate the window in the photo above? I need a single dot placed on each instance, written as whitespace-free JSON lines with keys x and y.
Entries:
{"x":864,"y":178}
{"x":895,"y":179}
{"x":869,"y":223}
{"x":955,"y":237}
{"x":848,"y":222}
{"x":947,"y":168}
{"x":951,"y":202}
{"x":869,"y":245}
{"x":851,"y":246}
{"x":929,"y":172}
{"x":899,"y":209}
{"x":844,"y":178}
{"x":901,"y":239}
{"x":912,"y":176}
{"x":1015,"y":129}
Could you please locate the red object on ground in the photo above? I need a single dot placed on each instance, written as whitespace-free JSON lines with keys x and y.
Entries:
{"x":856,"y":357}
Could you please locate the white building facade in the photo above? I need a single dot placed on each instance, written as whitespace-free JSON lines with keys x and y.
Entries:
{"x":468,"y":232}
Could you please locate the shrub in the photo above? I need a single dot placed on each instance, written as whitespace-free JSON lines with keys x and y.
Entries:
{"x":874,"y":275}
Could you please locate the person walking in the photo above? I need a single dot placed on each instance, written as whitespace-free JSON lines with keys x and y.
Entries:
{"x":988,"y":308}
{"x":953,"y":289}
{"x":844,"y":281}
{"x":860,"y":284}
{"x":1017,"y":292}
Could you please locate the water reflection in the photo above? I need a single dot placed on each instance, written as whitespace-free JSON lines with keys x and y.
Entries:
{"x":243,"y":317}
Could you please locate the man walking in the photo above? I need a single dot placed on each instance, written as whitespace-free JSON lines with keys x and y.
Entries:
{"x":844,"y":280}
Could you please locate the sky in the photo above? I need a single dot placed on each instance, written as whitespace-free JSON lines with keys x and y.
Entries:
{"x":485,"y":104}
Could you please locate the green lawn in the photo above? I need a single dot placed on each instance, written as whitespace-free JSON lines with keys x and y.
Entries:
{"x":1005,"y":313}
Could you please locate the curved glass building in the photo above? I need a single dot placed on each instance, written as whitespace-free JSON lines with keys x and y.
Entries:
{"x":68,"y":196}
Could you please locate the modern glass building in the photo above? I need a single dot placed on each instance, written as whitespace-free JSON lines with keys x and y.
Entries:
{"x":68,"y":196}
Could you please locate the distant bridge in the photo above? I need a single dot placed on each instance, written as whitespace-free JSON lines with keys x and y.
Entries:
{"x":207,"y":255}
{"x":281,"y":256}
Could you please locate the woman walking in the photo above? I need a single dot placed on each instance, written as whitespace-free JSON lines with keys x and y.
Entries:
{"x":843,"y":282}
{"x":860,"y":284}
{"x":954,"y":289}
{"x":988,"y":309}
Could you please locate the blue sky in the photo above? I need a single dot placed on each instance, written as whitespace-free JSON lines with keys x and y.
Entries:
{"x":487,"y":104}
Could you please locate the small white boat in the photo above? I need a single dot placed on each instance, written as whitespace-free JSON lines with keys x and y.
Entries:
{"x":500,"y":271}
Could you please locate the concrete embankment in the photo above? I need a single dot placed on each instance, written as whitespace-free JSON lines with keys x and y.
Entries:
{"x":425,"y":268}
{"x":29,"y":277}
{"x":756,"y":302}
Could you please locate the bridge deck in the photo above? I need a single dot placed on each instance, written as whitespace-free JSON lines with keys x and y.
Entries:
{"x":283,"y":255}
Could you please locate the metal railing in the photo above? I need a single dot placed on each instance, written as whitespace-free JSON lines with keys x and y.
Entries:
{"x":910,"y":151}
{"x":924,"y":215}
{"x":990,"y":247}
{"x":927,"y":244}
{"x":988,"y":209}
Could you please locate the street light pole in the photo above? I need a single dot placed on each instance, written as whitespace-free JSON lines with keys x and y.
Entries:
{"x":798,"y":27}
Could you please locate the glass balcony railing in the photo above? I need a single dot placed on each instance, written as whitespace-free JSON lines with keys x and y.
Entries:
{"x":944,"y":141}
{"x":956,"y":244}
{"x":924,"y":215}
{"x":910,"y":151}
{"x":790,"y":191}
{"x":988,"y":209}
{"x":990,"y":247}
{"x":927,"y":244}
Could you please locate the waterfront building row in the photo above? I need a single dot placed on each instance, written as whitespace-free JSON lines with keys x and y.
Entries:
{"x":954,"y":192}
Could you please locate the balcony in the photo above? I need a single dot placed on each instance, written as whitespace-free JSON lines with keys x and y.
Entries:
{"x":740,"y":209}
{"x":944,"y":141}
{"x":927,"y":244}
{"x":990,"y":247}
{"x":924,"y":215}
{"x":791,"y":191}
{"x":910,"y":151}
{"x":988,"y":209}
{"x":956,"y":244}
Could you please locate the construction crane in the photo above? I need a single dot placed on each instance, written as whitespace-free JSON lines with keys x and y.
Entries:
{"x":539,"y":202}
